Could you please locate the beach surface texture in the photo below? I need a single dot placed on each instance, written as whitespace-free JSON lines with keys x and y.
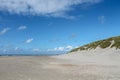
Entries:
{"x":99,"y":64}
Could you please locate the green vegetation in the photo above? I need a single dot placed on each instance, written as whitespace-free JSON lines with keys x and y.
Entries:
{"x":102,"y":44}
{"x":105,"y":44}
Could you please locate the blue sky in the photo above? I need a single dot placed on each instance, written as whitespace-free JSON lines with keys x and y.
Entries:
{"x":38,"y":26}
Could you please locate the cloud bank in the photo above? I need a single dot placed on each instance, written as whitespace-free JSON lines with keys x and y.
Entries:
{"x":41,"y":7}
{"x":67,"y":48}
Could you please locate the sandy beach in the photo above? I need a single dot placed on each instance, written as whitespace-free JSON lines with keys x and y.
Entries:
{"x":64,"y":67}
{"x":59,"y":39}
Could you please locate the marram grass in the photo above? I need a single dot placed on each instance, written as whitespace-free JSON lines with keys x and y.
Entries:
{"x":110,"y":42}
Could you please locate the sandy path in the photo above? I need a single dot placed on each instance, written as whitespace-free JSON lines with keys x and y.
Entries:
{"x":45,"y":68}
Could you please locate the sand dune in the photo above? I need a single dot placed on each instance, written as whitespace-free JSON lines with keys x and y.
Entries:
{"x":108,"y":56}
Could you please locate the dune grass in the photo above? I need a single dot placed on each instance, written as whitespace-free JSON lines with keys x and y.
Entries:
{"x":101,"y":43}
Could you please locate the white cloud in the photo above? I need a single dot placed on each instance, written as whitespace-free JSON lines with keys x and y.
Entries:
{"x":22,"y":28}
{"x":102,"y":19}
{"x":57,"y":49}
{"x":41,"y":7}
{"x":36,"y":50}
{"x":60,"y":48}
{"x":67,"y":48}
{"x":5,"y":30}
{"x":29,"y":40}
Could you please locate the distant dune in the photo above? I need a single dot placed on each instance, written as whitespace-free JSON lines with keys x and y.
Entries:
{"x":97,"y":56}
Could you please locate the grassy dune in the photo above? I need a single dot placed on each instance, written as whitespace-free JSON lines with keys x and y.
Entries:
{"x":110,"y":42}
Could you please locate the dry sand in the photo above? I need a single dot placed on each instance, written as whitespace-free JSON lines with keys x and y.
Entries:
{"x":75,"y":66}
